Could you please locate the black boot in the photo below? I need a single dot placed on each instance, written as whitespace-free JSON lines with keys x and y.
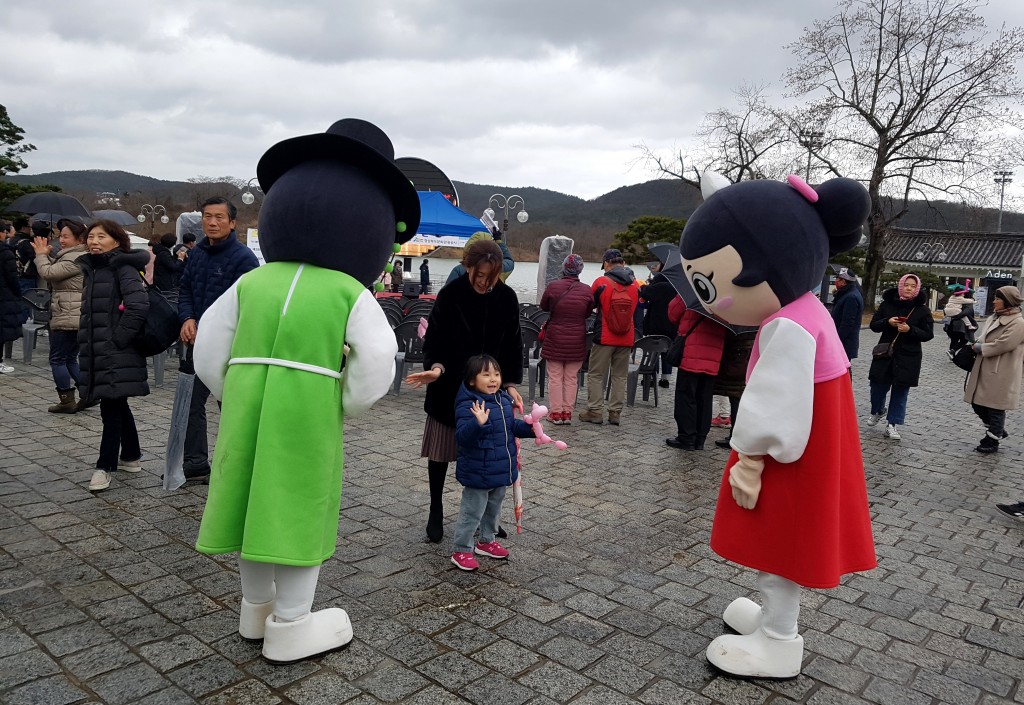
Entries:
{"x":436,"y":472}
{"x":988,"y":444}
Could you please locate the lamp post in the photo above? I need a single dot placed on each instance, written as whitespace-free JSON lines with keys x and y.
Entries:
{"x":1002,"y":178}
{"x":811,"y":140}
{"x":930,"y":252}
{"x":508,"y":203}
{"x":153,"y":212}
{"x":247,"y":196}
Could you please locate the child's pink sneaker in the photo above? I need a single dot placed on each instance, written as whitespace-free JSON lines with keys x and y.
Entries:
{"x":492,"y":550}
{"x":465,"y":561}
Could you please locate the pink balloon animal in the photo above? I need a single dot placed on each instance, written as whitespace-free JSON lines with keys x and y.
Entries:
{"x":537,"y":412}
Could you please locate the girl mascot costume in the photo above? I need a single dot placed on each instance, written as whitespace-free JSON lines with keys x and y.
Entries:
{"x":273,"y":348}
{"x":793,"y":501}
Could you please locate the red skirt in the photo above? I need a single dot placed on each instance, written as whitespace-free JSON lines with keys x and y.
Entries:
{"x":811,"y":523}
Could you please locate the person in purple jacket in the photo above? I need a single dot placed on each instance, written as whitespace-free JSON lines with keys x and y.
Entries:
{"x":565,"y":337}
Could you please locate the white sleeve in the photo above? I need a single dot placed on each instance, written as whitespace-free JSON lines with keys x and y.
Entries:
{"x":214,"y":339}
{"x":370,"y":368}
{"x":776,"y":408}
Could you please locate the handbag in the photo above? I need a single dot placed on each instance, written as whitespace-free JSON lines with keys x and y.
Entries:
{"x":674,"y":354}
{"x":884,"y":351}
{"x":964,"y":357}
{"x":161,"y":328}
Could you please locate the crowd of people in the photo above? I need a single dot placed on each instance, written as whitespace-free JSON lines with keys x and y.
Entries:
{"x":98,"y":302}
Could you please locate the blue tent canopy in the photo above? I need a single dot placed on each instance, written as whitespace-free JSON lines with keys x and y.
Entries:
{"x":443,"y":224}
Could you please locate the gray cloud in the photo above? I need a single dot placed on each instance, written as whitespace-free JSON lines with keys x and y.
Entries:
{"x":548,"y":94}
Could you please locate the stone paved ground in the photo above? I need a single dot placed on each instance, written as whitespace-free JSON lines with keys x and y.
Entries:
{"x":611,"y":594}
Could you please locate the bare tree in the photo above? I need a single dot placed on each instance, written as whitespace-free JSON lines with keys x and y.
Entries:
{"x":674,"y":164}
{"x":749,"y":142}
{"x":912,"y":94}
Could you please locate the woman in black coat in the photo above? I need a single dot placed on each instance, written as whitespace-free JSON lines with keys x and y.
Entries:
{"x":475,"y":314}
{"x":659,"y":294}
{"x":167,"y":268}
{"x":12,"y":314}
{"x":905,"y":322}
{"x":114,"y":309}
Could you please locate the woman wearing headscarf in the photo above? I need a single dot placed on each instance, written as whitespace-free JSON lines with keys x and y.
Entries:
{"x":565,"y":338}
{"x":905,"y":322}
{"x":475,"y":314}
{"x":993,"y":386}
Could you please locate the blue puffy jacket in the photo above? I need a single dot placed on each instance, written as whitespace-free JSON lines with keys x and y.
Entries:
{"x":210,"y":271}
{"x":487,"y":454}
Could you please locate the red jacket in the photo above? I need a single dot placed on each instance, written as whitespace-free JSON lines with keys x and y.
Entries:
{"x":569,"y":302}
{"x":702,"y":353}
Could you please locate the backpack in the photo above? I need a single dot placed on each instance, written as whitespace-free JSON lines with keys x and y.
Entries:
{"x":618,"y":315}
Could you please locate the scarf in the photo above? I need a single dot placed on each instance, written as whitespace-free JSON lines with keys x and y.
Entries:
{"x":917,"y":289}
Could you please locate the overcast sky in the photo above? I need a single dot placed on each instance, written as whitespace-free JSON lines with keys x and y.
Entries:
{"x":552,"y":94}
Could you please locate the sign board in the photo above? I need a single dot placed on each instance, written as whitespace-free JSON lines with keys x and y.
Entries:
{"x":253,"y":241}
{"x":980,"y":300}
{"x":438,"y":240}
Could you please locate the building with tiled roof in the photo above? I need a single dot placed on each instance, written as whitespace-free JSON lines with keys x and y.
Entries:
{"x":987,"y":259}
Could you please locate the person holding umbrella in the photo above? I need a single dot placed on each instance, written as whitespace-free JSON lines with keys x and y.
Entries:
{"x":212,"y":267}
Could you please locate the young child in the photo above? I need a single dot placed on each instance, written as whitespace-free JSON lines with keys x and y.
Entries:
{"x":485,"y":430}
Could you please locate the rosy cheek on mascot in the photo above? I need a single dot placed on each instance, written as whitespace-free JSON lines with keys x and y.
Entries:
{"x":273,"y":349}
{"x":793,"y":502}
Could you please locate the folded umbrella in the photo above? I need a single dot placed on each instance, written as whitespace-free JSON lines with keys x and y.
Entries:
{"x":672,"y":267}
{"x":174,"y":471}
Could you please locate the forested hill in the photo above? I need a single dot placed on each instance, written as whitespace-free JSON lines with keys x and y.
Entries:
{"x":592,"y":223}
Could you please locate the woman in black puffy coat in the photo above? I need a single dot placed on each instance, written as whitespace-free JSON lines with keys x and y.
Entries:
{"x":12,"y":314}
{"x":905,"y":321}
{"x":114,"y":309}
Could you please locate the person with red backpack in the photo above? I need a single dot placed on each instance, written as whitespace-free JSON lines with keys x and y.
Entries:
{"x":616,"y":294}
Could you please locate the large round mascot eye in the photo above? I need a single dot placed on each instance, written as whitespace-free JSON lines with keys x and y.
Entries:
{"x":704,"y":288}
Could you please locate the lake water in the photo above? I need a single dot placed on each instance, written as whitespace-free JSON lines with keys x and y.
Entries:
{"x":523,"y":278}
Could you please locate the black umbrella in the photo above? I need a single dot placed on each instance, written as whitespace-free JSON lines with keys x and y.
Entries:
{"x":50,"y":202}
{"x":52,"y":218}
{"x":672,"y":267}
{"x":122,"y":218}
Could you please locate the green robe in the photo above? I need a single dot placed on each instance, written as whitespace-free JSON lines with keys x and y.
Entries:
{"x":275,"y":487}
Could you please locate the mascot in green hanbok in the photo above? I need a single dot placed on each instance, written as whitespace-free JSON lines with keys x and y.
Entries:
{"x":291,"y":350}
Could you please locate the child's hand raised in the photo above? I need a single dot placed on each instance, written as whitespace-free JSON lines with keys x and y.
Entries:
{"x":481,"y":412}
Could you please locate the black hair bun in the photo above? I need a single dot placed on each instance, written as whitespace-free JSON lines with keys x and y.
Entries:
{"x":843,"y":205}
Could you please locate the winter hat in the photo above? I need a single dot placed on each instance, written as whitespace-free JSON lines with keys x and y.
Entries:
{"x":572,"y":266}
{"x":1010,"y":295}
{"x":903,"y":280}
{"x":611,"y":254}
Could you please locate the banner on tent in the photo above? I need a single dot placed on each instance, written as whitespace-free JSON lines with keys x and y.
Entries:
{"x":438,"y":240}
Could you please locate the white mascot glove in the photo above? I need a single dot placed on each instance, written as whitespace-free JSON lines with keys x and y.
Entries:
{"x":745,"y":480}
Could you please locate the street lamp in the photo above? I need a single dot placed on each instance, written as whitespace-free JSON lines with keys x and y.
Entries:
{"x":1002,"y":178}
{"x":247,"y":197}
{"x":510,"y":202}
{"x":930,"y":252}
{"x":811,"y":140}
{"x":153,"y":212}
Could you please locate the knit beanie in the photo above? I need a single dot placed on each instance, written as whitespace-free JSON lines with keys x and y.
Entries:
{"x":917,"y":286}
{"x":572,"y":266}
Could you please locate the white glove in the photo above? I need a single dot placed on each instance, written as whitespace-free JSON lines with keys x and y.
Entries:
{"x":745,"y":480}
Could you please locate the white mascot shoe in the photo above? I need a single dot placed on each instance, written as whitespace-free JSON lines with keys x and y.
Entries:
{"x":743,"y":616}
{"x":757,"y":655}
{"x":316,"y":633}
{"x":252,"y":619}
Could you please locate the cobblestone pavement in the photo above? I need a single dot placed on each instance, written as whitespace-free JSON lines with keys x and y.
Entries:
{"x":611,"y":594}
